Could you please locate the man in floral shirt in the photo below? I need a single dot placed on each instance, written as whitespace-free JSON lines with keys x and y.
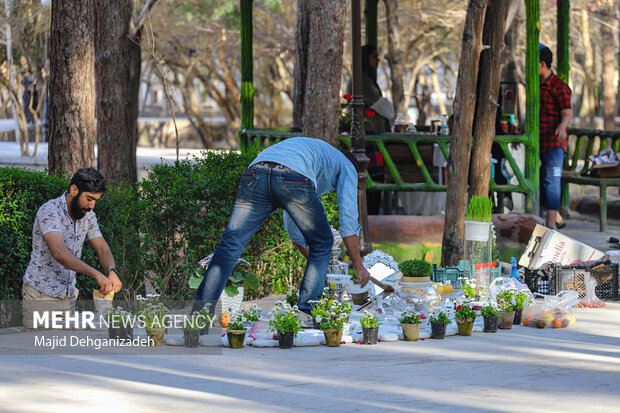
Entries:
{"x":555,"y":115}
{"x":60,"y":229}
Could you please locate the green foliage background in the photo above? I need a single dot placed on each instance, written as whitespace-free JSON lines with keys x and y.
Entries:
{"x":157,"y":230}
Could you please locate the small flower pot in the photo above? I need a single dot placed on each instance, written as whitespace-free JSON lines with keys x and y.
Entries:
{"x":411,"y":332}
{"x":518,"y":315}
{"x":285,"y":339}
{"x":465,"y":326}
{"x":235,"y":338}
{"x":192,"y":338}
{"x":490,"y":324}
{"x":438,"y":330}
{"x":505,"y":320}
{"x":124,"y":333}
{"x":359,"y":299}
{"x":333,"y":336}
{"x":477,"y":230}
{"x":371,"y":335}
{"x":156,"y":336}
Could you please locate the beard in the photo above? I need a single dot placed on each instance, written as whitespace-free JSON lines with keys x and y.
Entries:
{"x":76,"y":211}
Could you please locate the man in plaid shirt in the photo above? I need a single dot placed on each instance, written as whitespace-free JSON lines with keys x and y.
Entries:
{"x":555,"y":115}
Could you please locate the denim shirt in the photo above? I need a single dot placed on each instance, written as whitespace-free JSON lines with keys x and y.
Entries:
{"x":44,"y":273}
{"x":328,"y":169}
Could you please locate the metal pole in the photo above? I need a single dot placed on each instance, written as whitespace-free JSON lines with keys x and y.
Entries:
{"x":358,"y":140}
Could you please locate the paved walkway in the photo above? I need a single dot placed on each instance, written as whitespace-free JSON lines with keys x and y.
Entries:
{"x":524,"y":369}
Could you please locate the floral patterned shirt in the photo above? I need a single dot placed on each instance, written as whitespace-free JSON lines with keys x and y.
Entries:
{"x":44,"y":273}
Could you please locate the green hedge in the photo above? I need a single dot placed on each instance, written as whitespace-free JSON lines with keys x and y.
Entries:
{"x":157,"y":230}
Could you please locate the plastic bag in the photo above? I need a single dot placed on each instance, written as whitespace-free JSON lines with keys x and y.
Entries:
{"x":590,"y":300}
{"x":505,"y":283}
{"x":554,"y":312}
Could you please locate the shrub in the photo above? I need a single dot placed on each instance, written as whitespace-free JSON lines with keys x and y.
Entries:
{"x":480,"y":208}
{"x":416,"y":268}
{"x":157,"y":230}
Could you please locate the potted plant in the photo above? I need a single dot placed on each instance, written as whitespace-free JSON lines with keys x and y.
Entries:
{"x":283,"y":322}
{"x":341,"y":310}
{"x":320,"y":311}
{"x":410,"y":323}
{"x":235,"y":330}
{"x":292,"y":296}
{"x":478,"y":217}
{"x":232,"y":296}
{"x":370,"y":327}
{"x":153,"y":315}
{"x":469,"y":288}
{"x":439,"y":321}
{"x":120,"y":325}
{"x":415,"y":271}
{"x":192,"y":326}
{"x":506,"y":302}
{"x":332,"y":330}
{"x":465,"y":317}
{"x":490,"y":316}
{"x":359,"y":294}
{"x":522,"y":299}
{"x":252,"y":315}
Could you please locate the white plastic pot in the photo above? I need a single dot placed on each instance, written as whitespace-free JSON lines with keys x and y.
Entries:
{"x":477,"y":231}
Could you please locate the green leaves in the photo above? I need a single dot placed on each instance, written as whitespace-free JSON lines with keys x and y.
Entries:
{"x":416,"y":268}
{"x":480,"y":208}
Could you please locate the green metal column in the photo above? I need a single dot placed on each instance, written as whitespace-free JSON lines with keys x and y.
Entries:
{"x":563,"y":8}
{"x":532,"y":84}
{"x":247,"y":75}
{"x":370,"y":21}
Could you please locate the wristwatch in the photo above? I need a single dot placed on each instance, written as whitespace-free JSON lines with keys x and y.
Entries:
{"x":112,"y":269}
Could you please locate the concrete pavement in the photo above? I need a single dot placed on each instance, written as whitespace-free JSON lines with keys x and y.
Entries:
{"x":524,"y":369}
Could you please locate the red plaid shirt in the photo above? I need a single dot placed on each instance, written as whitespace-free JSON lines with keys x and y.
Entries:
{"x":554,"y":97}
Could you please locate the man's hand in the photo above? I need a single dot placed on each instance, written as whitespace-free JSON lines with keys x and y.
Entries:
{"x":561,"y":132}
{"x":105,"y":284}
{"x":116,"y":282}
{"x":363,"y":276}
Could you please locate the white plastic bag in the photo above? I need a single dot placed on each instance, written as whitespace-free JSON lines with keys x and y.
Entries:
{"x":590,"y":300}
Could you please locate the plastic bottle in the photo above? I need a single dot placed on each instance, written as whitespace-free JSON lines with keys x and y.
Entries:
{"x":445,"y":130}
{"x":514,"y":272}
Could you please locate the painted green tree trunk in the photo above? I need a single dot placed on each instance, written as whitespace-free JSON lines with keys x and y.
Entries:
{"x":247,"y":69}
{"x":370,"y":22}
{"x":563,"y":8}
{"x":532,"y":58}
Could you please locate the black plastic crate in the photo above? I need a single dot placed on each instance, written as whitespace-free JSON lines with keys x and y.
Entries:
{"x":556,"y":278}
{"x":540,"y":281}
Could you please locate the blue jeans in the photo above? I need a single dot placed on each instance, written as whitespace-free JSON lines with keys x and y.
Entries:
{"x":262,"y":190}
{"x":551,"y":178}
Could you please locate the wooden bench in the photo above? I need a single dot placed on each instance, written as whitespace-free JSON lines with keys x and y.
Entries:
{"x":583,"y":143}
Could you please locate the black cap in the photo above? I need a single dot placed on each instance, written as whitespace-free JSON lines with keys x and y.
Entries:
{"x":546,"y":55}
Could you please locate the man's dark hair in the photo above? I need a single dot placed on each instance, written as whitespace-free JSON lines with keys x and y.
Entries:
{"x":349,"y":156}
{"x":367,"y":50}
{"x":88,"y":180}
{"x":546,"y":56}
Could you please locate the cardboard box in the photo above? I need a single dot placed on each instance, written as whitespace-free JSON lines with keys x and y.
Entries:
{"x":549,"y":246}
{"x":609,"y":170}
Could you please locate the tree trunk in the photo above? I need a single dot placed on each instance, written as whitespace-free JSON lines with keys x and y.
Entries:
{"x":71,"y":87}
{"x":394,"y":56}
{"x":116,"y":127}
{"x":458,"y":162}
{"x":488,"y":90}
{"x":586,"y":112}
{"x":321,"y":102}
{"x":609,"y":67}
{"x":301,"y":60}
